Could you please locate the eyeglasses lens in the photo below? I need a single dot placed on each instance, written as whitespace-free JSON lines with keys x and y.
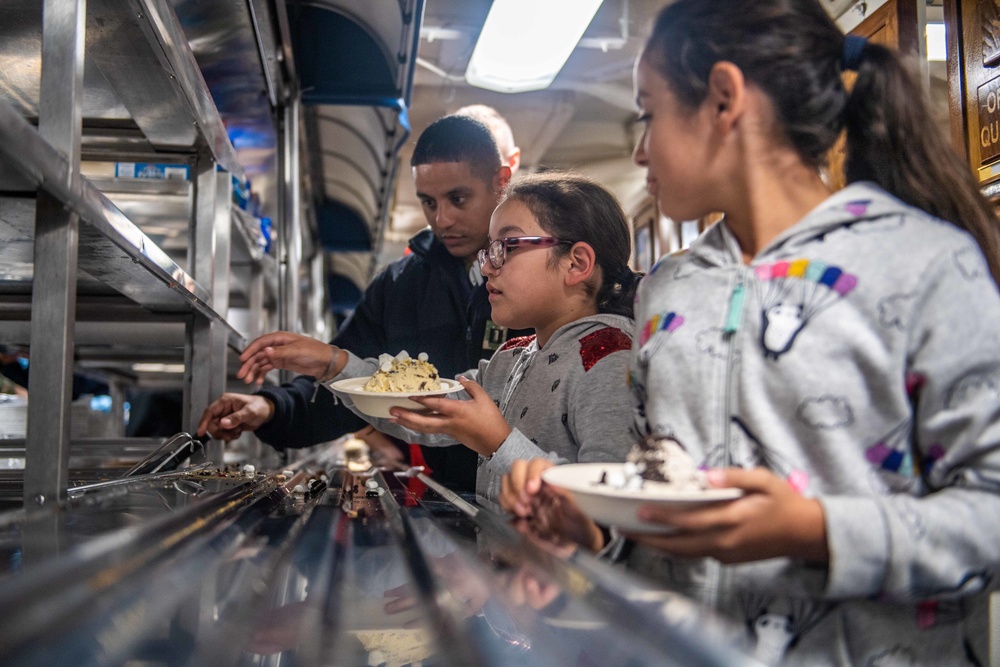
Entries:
{"x":497,"y":254}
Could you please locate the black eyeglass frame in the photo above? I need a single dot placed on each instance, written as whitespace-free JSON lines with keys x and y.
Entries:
{"x":496,"y":251}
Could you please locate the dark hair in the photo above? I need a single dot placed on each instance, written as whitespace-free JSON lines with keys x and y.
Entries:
{"x":574,"y":208}
{"x":791,"y":50}
{"x":459,"y":139}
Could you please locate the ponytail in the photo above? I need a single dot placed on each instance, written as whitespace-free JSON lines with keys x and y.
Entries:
{"x":890,"y":142}
{"x":617,"y":293}
{"x":795,"y":53}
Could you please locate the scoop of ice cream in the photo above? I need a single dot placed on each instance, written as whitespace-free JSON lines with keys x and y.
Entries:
{"x":356,"y":455}
{"x":665,"y":460}
{"x":395,"y":647}
{"x":661,"y":461}
{"x":403,"y":373}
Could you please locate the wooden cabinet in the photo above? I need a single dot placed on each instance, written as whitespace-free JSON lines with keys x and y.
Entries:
{"x":974,"y":70}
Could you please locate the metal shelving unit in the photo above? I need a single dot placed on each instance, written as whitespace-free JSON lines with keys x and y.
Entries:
{"x":86,"y":272}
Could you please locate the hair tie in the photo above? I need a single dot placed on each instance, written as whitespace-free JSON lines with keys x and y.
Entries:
{"x":624,"y":280}
{"x":853,"y":52}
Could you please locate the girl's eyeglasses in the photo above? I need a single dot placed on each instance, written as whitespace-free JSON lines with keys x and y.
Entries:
{"x":496,"y":251}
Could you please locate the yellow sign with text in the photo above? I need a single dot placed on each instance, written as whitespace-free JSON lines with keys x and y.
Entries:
{"x":989,"y":121}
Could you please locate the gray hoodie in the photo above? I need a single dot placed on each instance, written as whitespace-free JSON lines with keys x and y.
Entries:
{"x":858,"y":357}
{"x":568,"y":401}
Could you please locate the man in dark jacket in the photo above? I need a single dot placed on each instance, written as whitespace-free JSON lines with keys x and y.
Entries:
{"x":432,"y":300}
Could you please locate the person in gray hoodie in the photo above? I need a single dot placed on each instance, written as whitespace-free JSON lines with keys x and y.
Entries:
{"x":836,"y":357}
{"x":561,"y":393}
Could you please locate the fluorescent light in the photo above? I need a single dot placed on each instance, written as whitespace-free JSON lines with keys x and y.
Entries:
{"x":936,"y":49}
{"x":525,"y":43}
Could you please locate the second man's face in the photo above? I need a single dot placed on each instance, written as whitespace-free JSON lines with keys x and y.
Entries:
{"x":457,"y":205}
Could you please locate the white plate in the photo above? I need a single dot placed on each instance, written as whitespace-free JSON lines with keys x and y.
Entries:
{"x":378,"y":403}
{"x":617,"y":507}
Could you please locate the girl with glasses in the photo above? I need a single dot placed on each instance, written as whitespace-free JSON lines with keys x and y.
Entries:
{"x":557,"y":263}
{"x":838,"y":358}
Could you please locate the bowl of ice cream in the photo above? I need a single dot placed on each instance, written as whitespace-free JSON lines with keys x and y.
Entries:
{"x":657,"y":472}
{"x":378,"y":404}
{"x":397,"y":380}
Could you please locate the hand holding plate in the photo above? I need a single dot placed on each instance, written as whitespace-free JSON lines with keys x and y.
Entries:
{"x":770,"y":520}
{"x":520,"y":486}
{"x":477,"y":423}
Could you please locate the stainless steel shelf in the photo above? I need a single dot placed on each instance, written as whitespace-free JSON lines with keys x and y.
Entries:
{"x":102,"y":320}
{"x":250,"y":265}
{"x":119,"y":83}
{"x":247,"y":228}
{"x":144,"y":90}
{"x":162,"y":209}
{"x":114,"y":252}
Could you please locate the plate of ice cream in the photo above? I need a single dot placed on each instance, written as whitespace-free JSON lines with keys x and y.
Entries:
{"x":398,"y":379}
{"x":656,"y":471}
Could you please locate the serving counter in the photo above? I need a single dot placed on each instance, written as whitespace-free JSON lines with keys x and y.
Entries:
{"x":316,"y":565}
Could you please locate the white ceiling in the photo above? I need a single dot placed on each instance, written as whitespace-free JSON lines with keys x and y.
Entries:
{"x":584,"y":121}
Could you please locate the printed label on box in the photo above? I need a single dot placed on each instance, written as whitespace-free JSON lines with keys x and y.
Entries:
{"x":153,"y":171}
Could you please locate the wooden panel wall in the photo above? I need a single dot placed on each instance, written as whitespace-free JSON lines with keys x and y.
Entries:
{"x":974,"y":78}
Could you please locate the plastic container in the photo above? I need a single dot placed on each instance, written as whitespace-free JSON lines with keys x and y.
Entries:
{"x":265,"y":230}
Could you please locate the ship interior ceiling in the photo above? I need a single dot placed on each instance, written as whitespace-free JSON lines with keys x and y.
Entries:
{"x":583,"y":122}
{"x":178,"y":177}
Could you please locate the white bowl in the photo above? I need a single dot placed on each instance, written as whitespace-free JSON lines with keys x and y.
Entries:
{"x":617,"y":507}
{"x":378,"y":403}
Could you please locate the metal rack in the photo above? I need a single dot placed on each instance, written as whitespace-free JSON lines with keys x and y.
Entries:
{"x":80,"y":277}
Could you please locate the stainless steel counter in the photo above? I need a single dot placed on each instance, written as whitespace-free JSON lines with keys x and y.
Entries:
{"x":216,"y":567}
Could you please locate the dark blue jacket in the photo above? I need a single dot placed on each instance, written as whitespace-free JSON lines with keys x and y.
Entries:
{"x":422,"y":302}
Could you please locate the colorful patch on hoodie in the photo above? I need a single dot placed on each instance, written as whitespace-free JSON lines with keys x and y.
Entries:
{"x":655,"y":332}
{"x":858,"y":207}
{"x":667,"y":322}
{"x":892,"y":453}
{"x":893,"y":461}
{"x":792,"y":292}
{"x":601,"y":343}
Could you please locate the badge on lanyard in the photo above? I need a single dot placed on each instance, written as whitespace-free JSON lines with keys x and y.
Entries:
{"x":494,"y":336}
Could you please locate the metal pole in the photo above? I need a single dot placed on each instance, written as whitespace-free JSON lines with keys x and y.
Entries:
{"x":293,"y":227}
{"x":57,"y":234}
{"x":255,"y":321}
{"x":218,"y":366}
{"x":199,"y":341}
{"x":289,"y":234}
